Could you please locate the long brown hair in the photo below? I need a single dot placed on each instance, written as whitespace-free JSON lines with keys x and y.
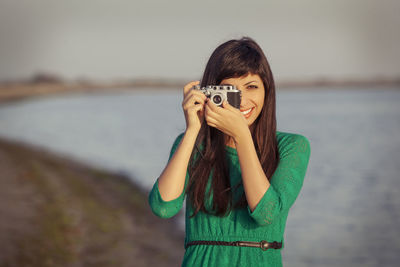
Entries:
{"x":232,"y":59}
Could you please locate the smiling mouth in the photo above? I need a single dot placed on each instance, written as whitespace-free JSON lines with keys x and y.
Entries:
{"x":247,"y":112}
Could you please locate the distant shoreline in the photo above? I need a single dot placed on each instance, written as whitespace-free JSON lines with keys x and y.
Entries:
{"x":45,"y":85}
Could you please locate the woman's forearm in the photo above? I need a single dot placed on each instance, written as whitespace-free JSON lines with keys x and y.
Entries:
{"x":255,"y":181}
{"x":172,"y":180}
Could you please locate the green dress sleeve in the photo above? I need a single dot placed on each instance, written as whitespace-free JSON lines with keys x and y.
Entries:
{"x":160,"y":207}
{"x":286,"y":181}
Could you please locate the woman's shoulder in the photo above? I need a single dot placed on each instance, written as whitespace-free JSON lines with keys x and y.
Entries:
{"x":179,"y":137}
{"x":280,"y":135}
{"x":175,"y":144}
{"x":177,"y":140}
{"x":287,"y":140}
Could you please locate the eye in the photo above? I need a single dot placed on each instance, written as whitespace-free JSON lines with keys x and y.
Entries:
{"x":252,"y":86}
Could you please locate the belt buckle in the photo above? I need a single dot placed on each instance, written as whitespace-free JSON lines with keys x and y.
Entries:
{"x":264,"y":245}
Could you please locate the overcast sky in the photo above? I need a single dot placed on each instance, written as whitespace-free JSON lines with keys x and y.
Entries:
{"x":173,"y":39}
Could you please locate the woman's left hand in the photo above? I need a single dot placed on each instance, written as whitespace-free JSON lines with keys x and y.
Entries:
{"x":228,"y":119}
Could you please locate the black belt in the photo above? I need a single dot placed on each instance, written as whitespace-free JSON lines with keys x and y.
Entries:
{"x":264,"y":245}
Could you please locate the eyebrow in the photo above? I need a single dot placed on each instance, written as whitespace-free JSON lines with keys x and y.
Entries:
{"x":244,"y":84}
{"x":250,"y":82}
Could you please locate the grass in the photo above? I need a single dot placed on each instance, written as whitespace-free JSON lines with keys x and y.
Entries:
{"x":85,"y":216}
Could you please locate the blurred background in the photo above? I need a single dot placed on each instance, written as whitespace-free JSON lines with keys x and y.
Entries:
{"x":90,"y":104}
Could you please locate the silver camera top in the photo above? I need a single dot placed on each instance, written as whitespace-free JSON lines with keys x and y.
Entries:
{"x":215,"y":87}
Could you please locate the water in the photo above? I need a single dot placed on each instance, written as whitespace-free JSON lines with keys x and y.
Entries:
{"x":347,"y":213}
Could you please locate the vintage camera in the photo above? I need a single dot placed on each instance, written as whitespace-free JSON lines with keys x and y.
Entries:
{"x":219,"y":93}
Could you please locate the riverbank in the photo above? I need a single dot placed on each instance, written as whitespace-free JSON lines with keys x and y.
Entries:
{"x":56,"y":211}
{"x":47,"y":85}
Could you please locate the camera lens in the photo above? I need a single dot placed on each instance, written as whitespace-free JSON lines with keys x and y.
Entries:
{"x":217,"y":99}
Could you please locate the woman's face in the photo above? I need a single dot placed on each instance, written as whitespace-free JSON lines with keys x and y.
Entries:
{"x":253,"y":93}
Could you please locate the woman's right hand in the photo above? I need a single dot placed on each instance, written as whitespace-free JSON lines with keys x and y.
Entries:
{"x":193,"y":106}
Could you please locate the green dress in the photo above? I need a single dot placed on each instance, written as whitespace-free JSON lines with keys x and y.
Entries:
{"x":266,"y":222}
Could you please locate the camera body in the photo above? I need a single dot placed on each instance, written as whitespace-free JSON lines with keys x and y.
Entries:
{"x":218,"y":93}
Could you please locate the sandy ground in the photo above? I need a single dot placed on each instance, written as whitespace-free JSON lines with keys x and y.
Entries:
{"x":57,"y":212}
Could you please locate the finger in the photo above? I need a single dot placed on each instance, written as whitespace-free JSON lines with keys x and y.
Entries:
{"x":211,"y":120}
{"x":212,"y":125}
{"x":196,"y":109}
{"x":193,"y":100}
{"x":196,"y":92}
{"x":209,"y":112}
{"x":189,"y":86}
{"x":212,"y":106}
{"x":193,"y":97}
{"x":228,"y":106}
{"x":217,"y":112}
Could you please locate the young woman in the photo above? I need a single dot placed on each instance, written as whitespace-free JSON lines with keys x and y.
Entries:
{"x":240,"y":174}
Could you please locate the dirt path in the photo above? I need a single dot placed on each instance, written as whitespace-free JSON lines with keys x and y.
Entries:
{"x":58,"y":212}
